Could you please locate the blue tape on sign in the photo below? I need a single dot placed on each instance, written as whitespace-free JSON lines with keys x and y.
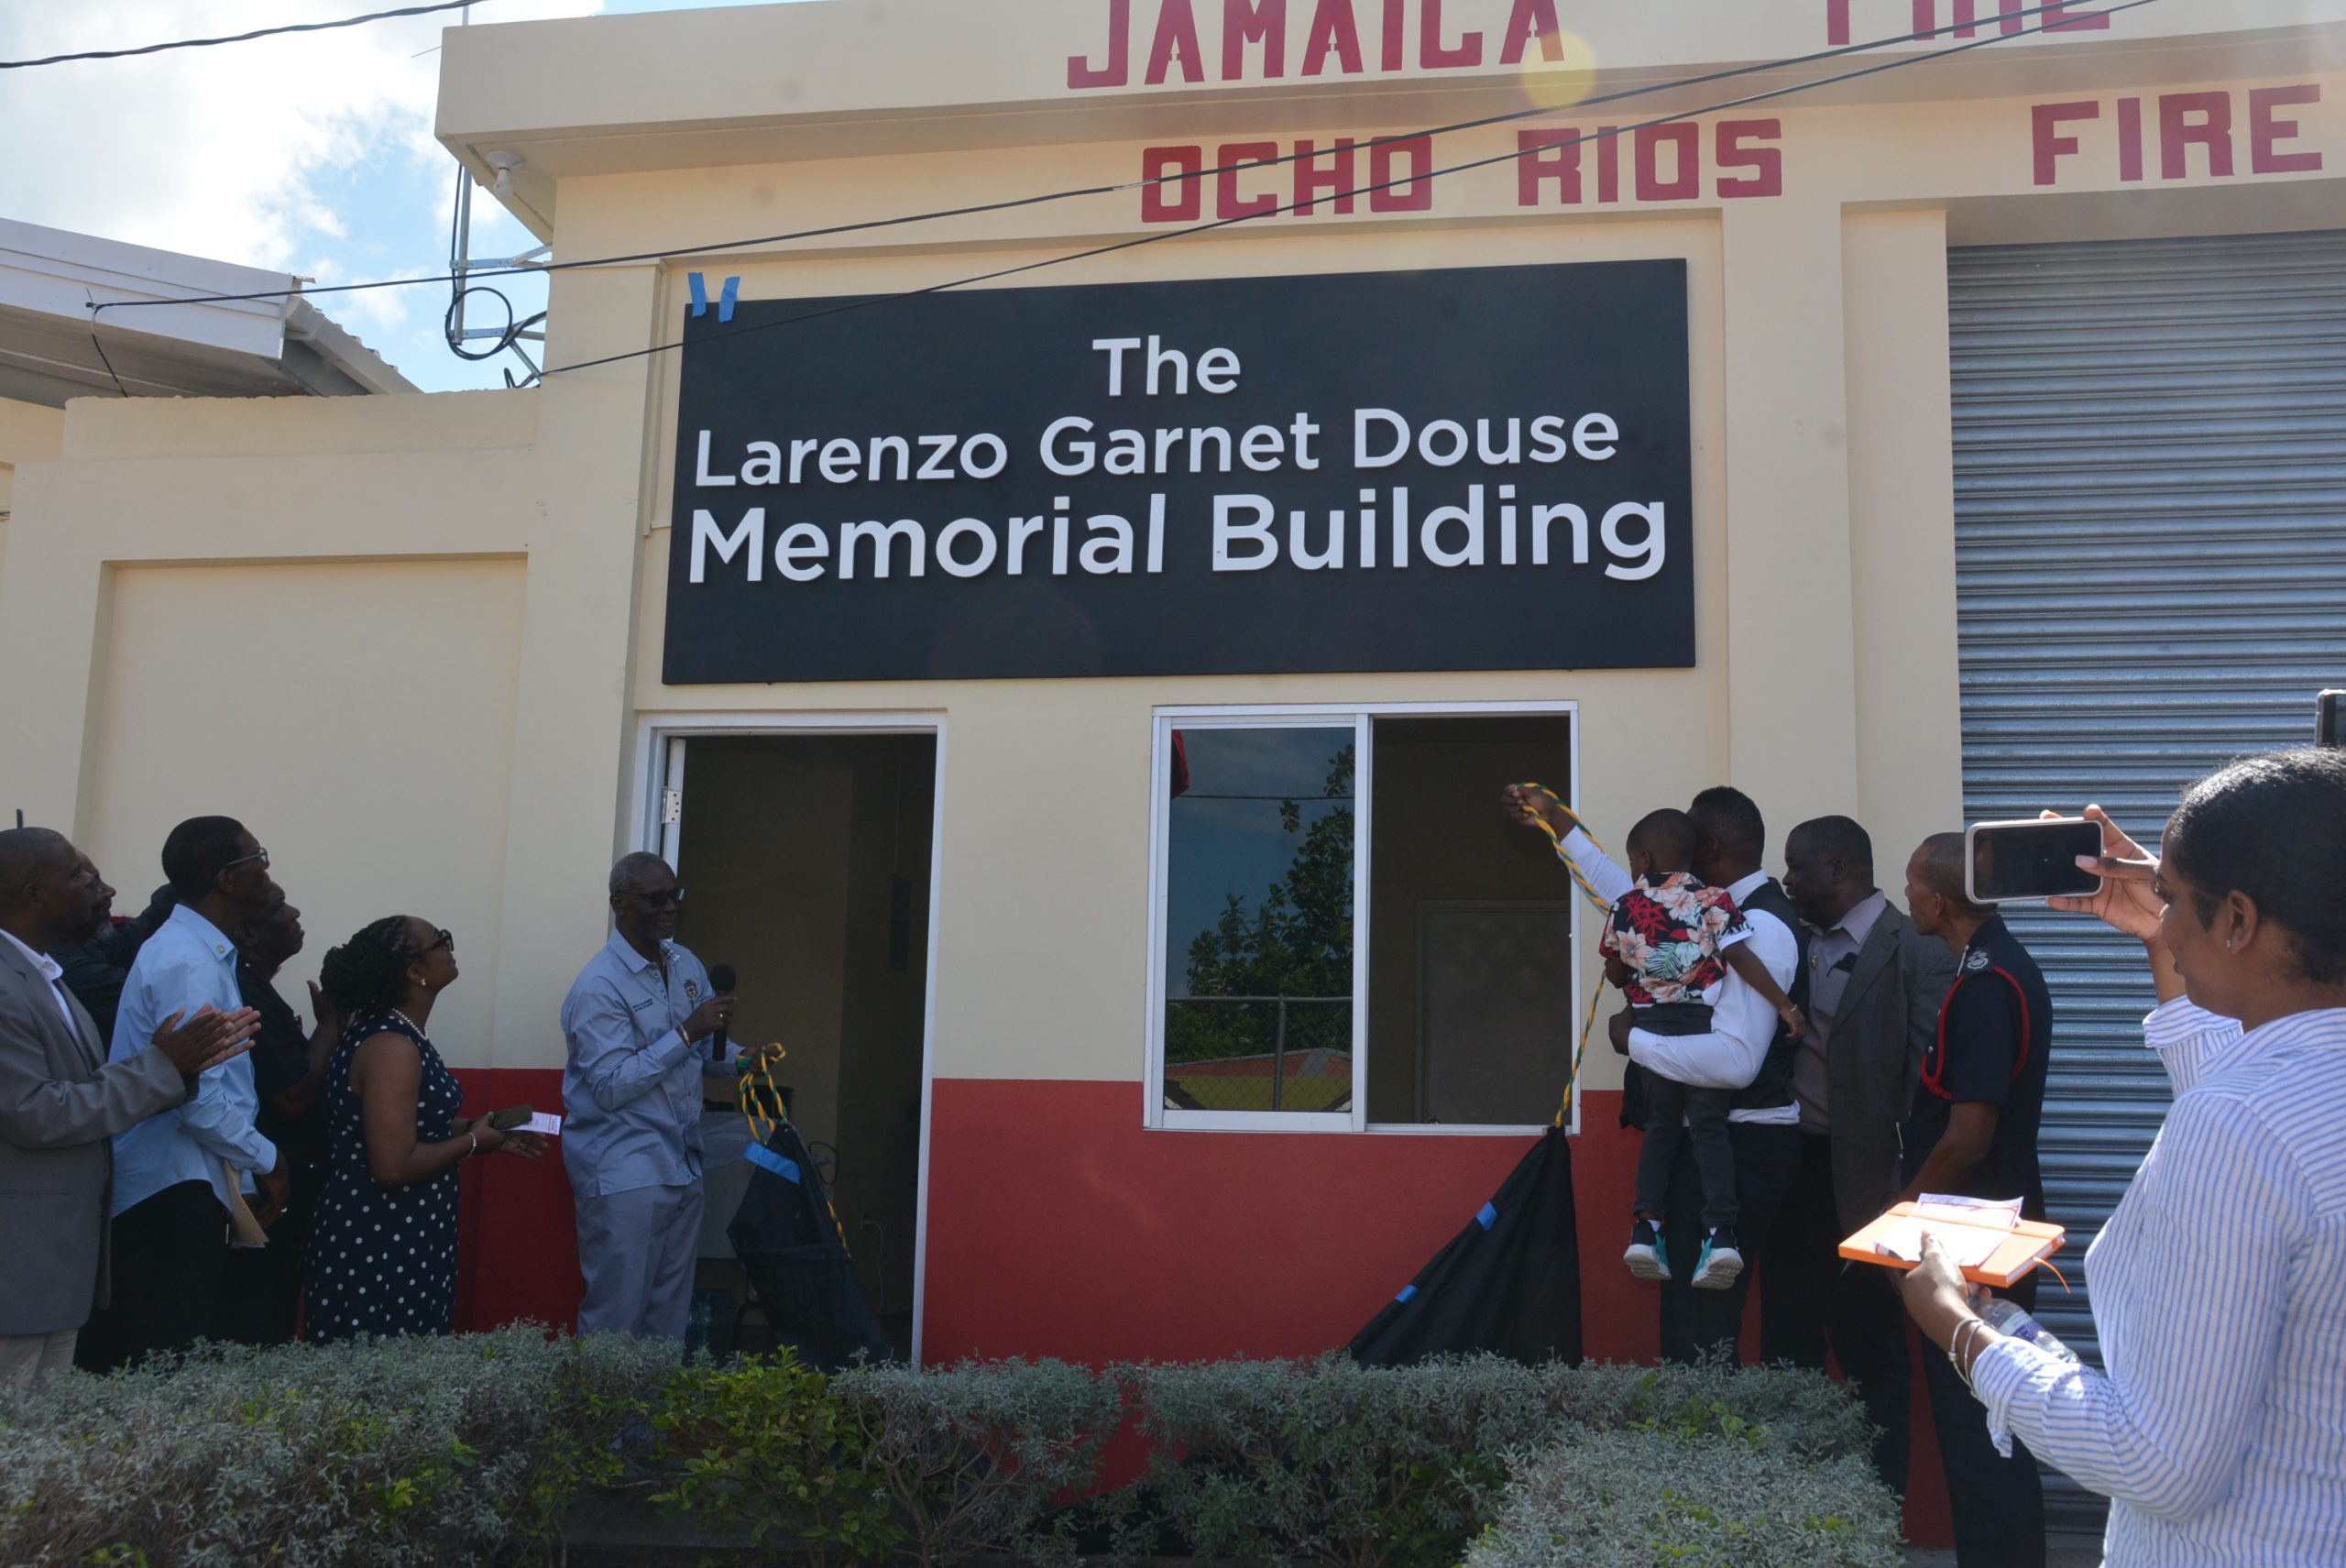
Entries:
{"x":724,"y":298}
{"x":766,"y":1158}
{"x":1486,"y":1216}
{"x":1406,"y":1291}
{"x":699,"y":286}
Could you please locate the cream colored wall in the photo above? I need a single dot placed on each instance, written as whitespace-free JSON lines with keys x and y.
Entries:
{"x":1822,"y":470}
{"x":1909,"y":780}
{"x":29,"y":432}
{"x":513,"y":696}
{"x":357,"y":717}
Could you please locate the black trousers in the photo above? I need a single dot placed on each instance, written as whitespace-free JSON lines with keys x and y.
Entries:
{"x":1812,"y":1298}
{"x":1998,"y":1503}
{"x":260,"y":1290}
{"x":1696,"y":1323}
{"x":170,"y":1253}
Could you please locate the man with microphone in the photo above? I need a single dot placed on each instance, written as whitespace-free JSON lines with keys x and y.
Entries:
{"x":641,"y":1022}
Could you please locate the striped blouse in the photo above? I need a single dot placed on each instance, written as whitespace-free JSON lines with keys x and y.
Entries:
{"x":2219,"y":1295}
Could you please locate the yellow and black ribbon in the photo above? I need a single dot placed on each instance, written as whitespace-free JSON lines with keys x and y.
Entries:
{"x":761,"y":1104}
{"x":1588,"y":1026}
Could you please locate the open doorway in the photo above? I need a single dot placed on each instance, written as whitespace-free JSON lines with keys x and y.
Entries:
{"x":806,"y":860}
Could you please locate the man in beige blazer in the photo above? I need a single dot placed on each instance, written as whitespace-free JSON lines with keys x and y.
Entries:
{"x":61,"y":1103}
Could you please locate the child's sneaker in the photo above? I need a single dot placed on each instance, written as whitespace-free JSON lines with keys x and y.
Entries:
{"x":1645,"y":1256}
{"x":1720,"y":1261}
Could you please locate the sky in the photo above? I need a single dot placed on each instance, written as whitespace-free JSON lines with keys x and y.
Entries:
{"x":311,"y":153}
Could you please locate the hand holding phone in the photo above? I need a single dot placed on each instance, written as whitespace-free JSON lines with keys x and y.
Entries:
{"x":507,"y":1120}
{"x":2011,"y":862}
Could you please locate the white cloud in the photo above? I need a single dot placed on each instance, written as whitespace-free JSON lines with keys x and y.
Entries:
{"x":376,"y":314}
{"x":217,"y":152}
{"x":309,"y":153}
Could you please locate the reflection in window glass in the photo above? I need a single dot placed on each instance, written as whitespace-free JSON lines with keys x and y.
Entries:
{"x":1258,"y":959}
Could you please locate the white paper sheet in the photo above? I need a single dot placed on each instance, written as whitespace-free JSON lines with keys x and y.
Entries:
{"x":2001,"y":1213}
{"x":542,"y":1123}
{"x":1968,"y":1245}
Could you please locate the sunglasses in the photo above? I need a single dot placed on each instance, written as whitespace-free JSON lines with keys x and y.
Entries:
{"x":659,"y":900}
{"x":439,"y":939}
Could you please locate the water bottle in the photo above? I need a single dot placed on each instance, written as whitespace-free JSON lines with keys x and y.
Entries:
{"x":2012,"y":1319}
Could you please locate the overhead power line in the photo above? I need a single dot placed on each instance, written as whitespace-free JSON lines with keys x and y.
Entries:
{"x":237,"y":37}
{"x":2049,"y":15}
{"x":1602,"y":133}
{"x":867,"y":225}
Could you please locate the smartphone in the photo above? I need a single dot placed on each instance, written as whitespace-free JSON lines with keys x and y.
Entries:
{"x":505,"y":1121}
{"x":2325,"y":719}
{"x":2006,"y":863}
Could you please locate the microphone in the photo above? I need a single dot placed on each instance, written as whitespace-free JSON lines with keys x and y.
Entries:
{"x":721,"y":980}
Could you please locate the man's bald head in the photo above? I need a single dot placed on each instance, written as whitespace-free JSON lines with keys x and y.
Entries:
{"x":1828,"y":868}
{"x":1935,"y":895}
{"x":1839,"y":838}
{"x":30,"y":855}
{"x":1938,"y":865}
{"x":44,"y":896}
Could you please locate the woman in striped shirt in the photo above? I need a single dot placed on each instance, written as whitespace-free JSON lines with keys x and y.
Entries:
{"x":2217,"y":1428}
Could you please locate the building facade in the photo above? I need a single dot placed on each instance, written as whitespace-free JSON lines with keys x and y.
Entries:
{"x":1941,"y":407}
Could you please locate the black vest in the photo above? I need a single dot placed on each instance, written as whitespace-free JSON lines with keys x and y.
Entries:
{"x":1773,"y":1087}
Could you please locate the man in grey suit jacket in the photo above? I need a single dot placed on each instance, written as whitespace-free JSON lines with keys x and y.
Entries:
{"x":60,"y":1104}
{"x":1874,"y":988}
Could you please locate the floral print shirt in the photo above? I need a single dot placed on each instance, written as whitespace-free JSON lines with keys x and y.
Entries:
{"x":1670,"y":935}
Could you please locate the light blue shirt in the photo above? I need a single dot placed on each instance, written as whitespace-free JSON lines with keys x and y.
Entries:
{"x":2219,"y":1430}
{"x":632,"y":1089}
{"x":184,"y":965}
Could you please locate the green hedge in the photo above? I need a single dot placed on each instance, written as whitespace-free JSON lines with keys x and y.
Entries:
{"x":1644,"y":1499}
{"x":472,"y":1449}
{"x":419,"y":1451}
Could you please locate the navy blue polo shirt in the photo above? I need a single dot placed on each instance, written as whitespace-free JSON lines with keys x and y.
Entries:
{"x":1994,"y":1040}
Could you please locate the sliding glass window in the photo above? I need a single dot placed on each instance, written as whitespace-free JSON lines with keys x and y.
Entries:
{"x":1302,"y":978}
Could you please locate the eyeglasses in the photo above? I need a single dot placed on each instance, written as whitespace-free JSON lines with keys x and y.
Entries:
{"x":661,"y":899}
{"x":260,"y":855}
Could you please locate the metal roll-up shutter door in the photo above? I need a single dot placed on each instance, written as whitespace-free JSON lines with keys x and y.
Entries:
{"x":2150,"y":505}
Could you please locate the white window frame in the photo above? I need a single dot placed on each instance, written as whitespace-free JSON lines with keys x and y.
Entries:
{"x":1164,"y":721}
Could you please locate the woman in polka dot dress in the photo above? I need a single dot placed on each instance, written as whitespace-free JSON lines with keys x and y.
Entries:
{"x":382,"y":1255}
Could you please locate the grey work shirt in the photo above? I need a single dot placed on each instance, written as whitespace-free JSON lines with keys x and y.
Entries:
{"x":633,"y":1092}
{"x":1831,"y":957}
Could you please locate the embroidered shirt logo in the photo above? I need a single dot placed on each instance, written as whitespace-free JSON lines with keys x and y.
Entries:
{"x":1977,"y":960}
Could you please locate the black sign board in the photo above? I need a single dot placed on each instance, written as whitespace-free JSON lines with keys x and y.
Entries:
{"x":1476,"y":469}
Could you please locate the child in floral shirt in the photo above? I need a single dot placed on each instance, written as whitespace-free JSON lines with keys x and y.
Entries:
{"x":1668,"y":944}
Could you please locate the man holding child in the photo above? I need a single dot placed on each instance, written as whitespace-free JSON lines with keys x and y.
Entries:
{"x":1814,"y":1113}
{"x":1747,"y":1053}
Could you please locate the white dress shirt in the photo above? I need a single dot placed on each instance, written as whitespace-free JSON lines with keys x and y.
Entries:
{"x":52,"y":972}
{"x":1743,"y":1024}
{"x":2219,"y":1429}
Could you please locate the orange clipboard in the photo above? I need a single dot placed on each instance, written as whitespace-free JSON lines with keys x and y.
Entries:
{"x":2028,"y":1244}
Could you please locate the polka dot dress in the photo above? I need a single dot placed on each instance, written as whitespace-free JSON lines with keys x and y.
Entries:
{"x":383,"y":1259}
